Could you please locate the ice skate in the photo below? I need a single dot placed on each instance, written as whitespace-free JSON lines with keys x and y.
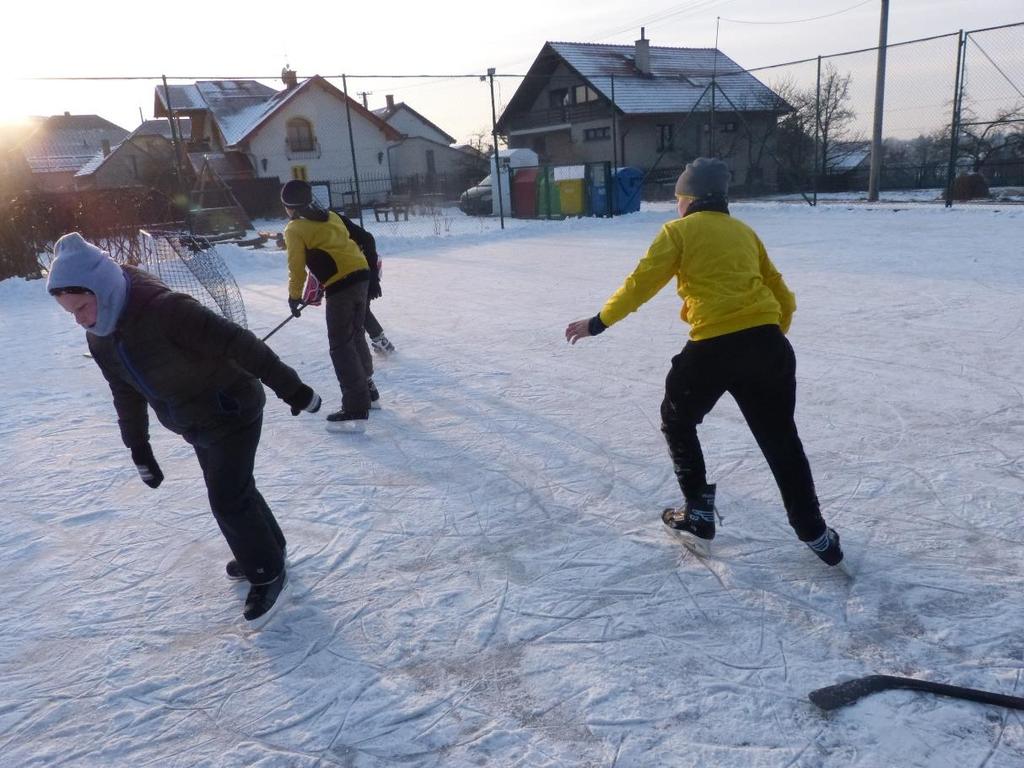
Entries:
{"x":381,"y":345}
{"x":264,"y":600}
{"x":693,"y":524}
{"x":374,"y":395}
{"x":827,"y":548}
{"x":347,"y":421}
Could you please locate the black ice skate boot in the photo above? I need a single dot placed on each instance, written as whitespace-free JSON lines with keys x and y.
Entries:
{"x":374,"y":395}
{"x":381,"y":345}
{"x":694,"y":522}
{"x":264,"y":599}
{"x":827,"y":547}
{"x":347,"y":421}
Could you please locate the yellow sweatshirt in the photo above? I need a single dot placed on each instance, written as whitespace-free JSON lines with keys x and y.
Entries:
{"x":723,"y":275}
{"x":325,"y":248}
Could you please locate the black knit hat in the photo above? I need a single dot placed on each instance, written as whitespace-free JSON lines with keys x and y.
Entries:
{"x":704,"y":177}
{"x":297,"y":194}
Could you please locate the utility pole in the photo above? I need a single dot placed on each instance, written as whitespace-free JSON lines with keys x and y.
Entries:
{"x":363,"y":95}
{"x":497,"y":155}
{"x":876,"y":134}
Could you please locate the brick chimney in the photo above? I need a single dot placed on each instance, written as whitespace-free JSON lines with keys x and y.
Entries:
{"x":105,"y":146}
{"x":289,"y":77}
{"x":642,"y":54}
{"x":390,"y":100}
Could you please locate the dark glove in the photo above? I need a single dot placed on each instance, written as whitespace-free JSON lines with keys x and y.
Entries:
{"x":295,"y":305}
{"x":303,"y":399}
{"x":149,"y":470}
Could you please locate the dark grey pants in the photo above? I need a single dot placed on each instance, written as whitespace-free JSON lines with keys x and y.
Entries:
{"x":243,"y":515}
{"x":758,"y":368}
{"x":353,"y":364}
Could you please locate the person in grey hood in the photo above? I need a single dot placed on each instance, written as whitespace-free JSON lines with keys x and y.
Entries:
{"x":203,"y":377}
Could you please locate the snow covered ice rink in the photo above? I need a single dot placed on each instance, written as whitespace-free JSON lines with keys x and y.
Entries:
{"x":483,"y":578}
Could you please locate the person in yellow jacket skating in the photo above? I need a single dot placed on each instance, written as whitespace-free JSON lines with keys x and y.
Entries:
{"x":317,"y":240}
{"x":739,"y":309}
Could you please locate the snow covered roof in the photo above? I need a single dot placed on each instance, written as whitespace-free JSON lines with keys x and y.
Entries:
{"x":163,"y":128}
{"x":65,"y":143}
{"x":240,"y":107}
{"x":678,"y":81}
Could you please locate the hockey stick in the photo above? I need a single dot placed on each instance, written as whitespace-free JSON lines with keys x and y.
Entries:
{"x":841,"y":694}
{"x":281,"y":325}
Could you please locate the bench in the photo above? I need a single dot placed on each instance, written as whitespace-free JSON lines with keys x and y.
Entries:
{"x":392,"y":208}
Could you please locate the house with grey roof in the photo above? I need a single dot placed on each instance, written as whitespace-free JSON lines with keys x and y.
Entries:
{"x":643,"y":106}
{"x":424,"y":156}
{"x":243,"y":129}
{"x":61,"y":145}
{"x":145,"y":158}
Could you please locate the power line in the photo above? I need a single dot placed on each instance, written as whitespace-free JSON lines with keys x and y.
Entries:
{"x":800,"y":21}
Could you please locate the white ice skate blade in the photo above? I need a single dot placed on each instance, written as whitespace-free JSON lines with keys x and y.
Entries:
{"x":695,"y":544}
{"x":355,"y":427}
{"x":259,"y":623}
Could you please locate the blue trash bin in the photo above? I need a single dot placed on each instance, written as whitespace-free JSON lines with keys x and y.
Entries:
{"x":597,"y":190}
{"x":626,"y":188}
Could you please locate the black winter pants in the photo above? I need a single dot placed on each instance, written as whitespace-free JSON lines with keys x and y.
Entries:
{"x":758,"y":368}
{"x":372,"y":324}
{"x":353,"y":364}
{"x":244,"y":518}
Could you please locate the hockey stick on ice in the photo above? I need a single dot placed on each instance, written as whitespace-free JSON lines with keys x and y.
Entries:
{"x":841,"y":694}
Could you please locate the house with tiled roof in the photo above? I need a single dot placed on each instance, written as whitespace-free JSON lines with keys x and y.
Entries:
{"x":245,"y":129}
{"x":61,"y":145}
{"x":643,"y":106}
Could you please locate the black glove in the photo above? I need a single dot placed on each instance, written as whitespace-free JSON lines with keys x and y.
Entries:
{"x":149,"y":470}
{"x":303,"y":399}
{"x":295,"y":305}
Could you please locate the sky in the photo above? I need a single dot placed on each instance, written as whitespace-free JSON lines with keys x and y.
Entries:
{"x":107,"y":39}
{"x":483,"y":578}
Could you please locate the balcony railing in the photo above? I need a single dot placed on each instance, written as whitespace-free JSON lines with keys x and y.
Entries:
{"x":303,"y":149}
{"x":573,"y":113}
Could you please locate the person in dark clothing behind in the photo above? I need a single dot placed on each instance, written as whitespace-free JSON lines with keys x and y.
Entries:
{"x":318,"y":240}
{"x":368,"y":245}
{"x":738,"y":308}
{"x":201,"y":374}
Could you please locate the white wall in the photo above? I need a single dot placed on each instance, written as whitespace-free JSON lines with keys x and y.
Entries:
{"x":330,"y":127}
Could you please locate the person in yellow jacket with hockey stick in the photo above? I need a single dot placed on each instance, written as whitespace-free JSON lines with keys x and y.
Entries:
{"x":318,"y":242}
{"x":739,"y":309}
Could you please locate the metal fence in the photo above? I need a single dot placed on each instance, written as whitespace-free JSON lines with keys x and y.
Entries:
{"x":953,"y":109}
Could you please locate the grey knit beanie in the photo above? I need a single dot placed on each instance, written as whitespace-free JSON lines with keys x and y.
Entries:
{"x":704,"y":177}
{"x":80,"y":264}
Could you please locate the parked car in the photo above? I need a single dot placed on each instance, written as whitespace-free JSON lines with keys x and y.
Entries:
{"x":476,"y":201}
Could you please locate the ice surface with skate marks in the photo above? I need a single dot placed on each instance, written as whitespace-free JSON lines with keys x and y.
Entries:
{"x":483,"y":578}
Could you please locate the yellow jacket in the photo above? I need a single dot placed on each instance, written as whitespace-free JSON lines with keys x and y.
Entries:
{"x":325,"y":248}
{"x":723,"y":275}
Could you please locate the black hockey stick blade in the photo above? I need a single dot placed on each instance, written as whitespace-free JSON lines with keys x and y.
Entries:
{"x":841,"y":694}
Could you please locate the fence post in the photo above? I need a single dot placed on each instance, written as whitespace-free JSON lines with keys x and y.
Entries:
{"x":876,"y":133}
{"x":176,"y":141}
{"x":954,"y":128}
{"x":497,"y":157}
{"x":615,"y":152}
{"x":352,"y":147}
{"x":817,"y":130}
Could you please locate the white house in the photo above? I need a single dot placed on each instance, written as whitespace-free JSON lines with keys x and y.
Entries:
{"x":301,"y":132}
{"x":422,"y":159}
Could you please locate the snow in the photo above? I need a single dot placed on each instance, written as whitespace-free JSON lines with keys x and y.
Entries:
{"x":483,"y":578}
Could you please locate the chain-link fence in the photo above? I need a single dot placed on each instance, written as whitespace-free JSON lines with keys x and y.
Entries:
{"x":407,"y":155}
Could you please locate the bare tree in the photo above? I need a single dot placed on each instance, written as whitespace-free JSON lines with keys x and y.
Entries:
{"x":834,"y":117}
{"x":981,"y":139}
